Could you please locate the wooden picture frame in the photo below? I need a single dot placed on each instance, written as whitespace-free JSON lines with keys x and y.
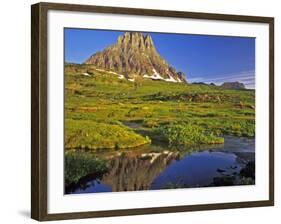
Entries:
{"x":39,"y":110}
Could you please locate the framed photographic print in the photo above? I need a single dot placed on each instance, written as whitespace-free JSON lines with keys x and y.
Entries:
{"x":139,"y":111}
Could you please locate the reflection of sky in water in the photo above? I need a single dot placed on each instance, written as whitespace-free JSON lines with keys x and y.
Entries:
{"x":94,"y":187}
{"x":196,"y":169}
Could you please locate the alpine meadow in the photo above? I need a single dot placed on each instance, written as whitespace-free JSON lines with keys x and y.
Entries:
{"x":153,"y":111}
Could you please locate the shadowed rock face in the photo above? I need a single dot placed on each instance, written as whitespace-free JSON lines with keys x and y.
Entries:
{"x":131,"y":173}
{"x":135,"y":55}
{"x":233,"y":85}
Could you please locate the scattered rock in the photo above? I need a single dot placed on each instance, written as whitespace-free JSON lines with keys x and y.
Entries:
{"x":221,"y":170}
{"x":248,"y":170}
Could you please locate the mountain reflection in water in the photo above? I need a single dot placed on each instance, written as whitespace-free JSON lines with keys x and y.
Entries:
{"x":154,"y":168}
{"x":130,"y":173}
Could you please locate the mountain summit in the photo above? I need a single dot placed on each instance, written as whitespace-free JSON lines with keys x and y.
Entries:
{"x":135,"y":55}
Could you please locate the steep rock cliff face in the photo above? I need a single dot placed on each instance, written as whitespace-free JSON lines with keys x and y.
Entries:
{"x":135,"y":55}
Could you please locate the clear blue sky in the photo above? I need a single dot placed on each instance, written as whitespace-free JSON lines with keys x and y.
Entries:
{"x":202,"y":58}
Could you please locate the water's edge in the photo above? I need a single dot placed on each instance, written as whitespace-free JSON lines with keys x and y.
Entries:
{"x":154,"y":167}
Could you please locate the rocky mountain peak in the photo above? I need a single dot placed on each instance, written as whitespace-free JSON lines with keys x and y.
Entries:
{"x":148,"y":41}
{"x":135,"y":40}
{"x":133,"y":55}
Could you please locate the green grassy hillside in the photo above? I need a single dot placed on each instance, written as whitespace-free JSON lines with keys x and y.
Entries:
{"x":99,"y":103}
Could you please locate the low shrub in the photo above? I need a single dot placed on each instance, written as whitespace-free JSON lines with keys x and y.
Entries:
{"x":79,"y":165}
{"x":188,"y":134}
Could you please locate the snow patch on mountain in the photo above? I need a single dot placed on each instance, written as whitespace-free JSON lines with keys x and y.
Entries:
{"x":86,"y":74}
{"x":156,"y":75}
{"x":170,"y":79}
{"x":179,"y":80}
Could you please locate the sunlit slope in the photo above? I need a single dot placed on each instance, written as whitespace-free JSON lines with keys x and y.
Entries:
{"x":97,"y":102}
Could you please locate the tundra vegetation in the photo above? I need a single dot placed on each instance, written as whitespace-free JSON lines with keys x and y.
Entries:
{"x":106,"y":112}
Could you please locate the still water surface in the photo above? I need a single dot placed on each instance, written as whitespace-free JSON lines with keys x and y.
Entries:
{"x":154,"y":167}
